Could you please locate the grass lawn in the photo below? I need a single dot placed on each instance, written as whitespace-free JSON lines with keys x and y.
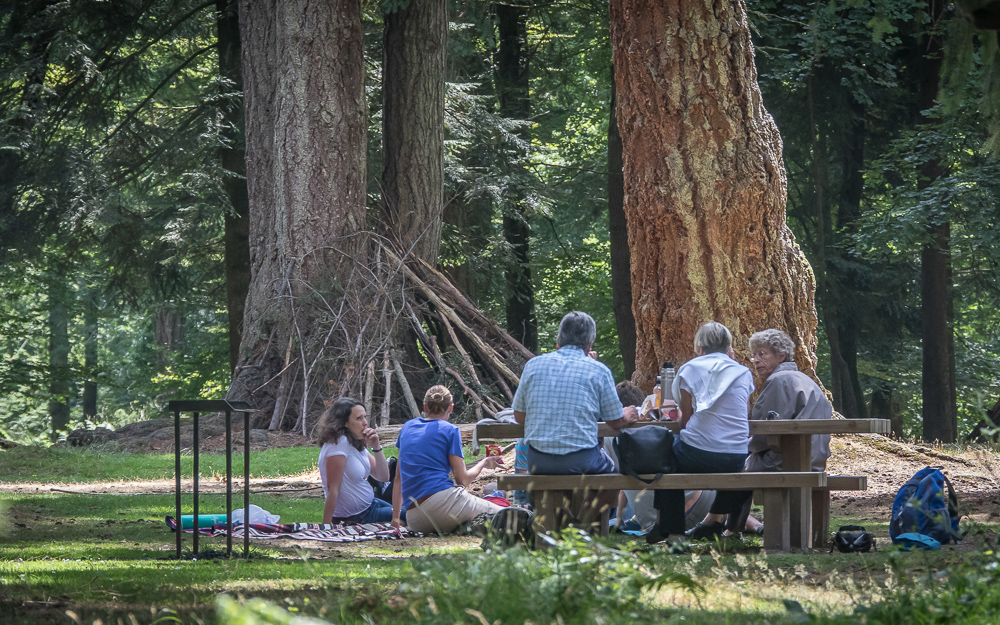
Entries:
{"x":68,"y":558}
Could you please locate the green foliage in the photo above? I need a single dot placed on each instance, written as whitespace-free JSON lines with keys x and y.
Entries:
{"x":966,"y":592}
{"x":578,"y":580}
{"x":902,"y":207}
{"x":110,"y":127}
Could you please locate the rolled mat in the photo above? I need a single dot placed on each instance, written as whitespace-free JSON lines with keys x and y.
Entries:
{"x":204,"y":520}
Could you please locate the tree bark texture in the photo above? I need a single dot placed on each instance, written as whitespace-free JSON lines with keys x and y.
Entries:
{"x":515,"y":101}
{"x":233,"y":157}
{"x":413,"y":73}
{"x":705,"y":185}
{"x":621,"y":280}
{"x":306,"y":144}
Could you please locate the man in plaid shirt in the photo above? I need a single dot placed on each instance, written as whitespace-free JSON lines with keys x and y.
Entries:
{"x":562,"y":397}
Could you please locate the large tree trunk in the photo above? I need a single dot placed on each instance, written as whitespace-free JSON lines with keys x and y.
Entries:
{"x":621,"y":281}
{"x":413,"y":71}
{"x":515,"y":102}
{"x":233,"y":157}
{"x":413,"y":76}
{"x":306,"y":127}
{"x":938,"y":373}
{"x":704,"y":184}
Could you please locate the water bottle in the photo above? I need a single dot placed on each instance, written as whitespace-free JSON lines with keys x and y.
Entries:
{"x":658,"y":394}
{"x":667,"y":382}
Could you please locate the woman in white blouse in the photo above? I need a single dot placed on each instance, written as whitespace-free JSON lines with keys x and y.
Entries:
{"x":345,"y":463}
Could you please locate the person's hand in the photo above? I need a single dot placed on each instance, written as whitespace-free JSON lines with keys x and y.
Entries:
{"x":396,"y":523}
{"x":492,"y":462}
{"x":592,"y":354}
{"x":630,"y":414}
{"x":371,"y":437}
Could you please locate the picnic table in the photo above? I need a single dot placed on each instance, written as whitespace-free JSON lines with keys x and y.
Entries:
{"x":807,"y":517}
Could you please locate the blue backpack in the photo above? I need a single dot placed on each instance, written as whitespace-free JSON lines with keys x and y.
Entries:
{"x":926,"y":505}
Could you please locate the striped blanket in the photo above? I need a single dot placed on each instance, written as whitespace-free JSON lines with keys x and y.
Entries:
{"x":307,"y":531}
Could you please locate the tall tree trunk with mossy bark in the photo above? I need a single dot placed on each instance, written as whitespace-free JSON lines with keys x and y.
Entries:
{"x":306,"y":125}
{"x":704,"y":185}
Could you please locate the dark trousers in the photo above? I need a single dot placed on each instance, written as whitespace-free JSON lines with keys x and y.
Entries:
{"x":670,"y":503}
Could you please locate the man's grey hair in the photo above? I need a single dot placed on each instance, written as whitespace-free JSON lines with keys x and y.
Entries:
{"x":713,"y":337}
{"x":774,"y":340}
{"x":578,"y":329}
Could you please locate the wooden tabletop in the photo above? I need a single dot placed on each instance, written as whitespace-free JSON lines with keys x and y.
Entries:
{"x":510,"y":431}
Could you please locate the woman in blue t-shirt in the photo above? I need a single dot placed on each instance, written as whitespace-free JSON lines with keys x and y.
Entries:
{"x":429,"y":449}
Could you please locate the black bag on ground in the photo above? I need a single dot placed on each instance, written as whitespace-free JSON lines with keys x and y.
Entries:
{"x":853,"y":539}
{"x":383,"y":490}
{"x":645,"y":450}
{"x":510,"y":526}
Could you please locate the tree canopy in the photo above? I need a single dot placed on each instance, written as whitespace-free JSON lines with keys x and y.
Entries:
{"x":115,"y":192}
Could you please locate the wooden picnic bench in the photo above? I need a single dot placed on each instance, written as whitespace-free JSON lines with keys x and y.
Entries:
{"x":809,"y":505}
{"x":556,"y":495}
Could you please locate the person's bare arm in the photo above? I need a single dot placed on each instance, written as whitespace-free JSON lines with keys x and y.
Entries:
{"x":464,"y":475}
{"x":397,"y":499}
{"x":519,"y":417}
{"x":379,"y":465}
{"x":686,"y":408}
{"x":629,"y":416}
{"x":335,"y":466}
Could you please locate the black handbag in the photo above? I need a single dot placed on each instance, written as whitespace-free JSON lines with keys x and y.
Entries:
{"x":853,"y":539}
{"x":649,"y":449}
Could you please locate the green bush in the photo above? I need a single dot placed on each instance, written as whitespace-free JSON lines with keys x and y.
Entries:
{"x":578,"y":580}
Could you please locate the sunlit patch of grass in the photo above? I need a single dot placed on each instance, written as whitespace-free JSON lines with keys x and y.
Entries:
{"x":66,"y":465}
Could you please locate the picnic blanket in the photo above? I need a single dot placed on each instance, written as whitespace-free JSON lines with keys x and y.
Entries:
{"x":307,"y":531}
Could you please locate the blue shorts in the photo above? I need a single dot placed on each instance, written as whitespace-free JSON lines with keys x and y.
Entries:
{"x":584,"y":462}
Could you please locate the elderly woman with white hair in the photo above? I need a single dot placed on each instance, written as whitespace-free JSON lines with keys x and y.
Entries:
{"x":713,"y":391}
{"x":788,"y":393}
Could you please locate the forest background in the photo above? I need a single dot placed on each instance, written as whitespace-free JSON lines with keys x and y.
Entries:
{"x":119,"y":124}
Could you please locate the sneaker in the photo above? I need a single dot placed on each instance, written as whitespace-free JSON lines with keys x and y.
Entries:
{"x":705,"y":530}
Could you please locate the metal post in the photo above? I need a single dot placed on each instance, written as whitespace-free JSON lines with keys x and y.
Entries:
{"x":177,"y":478}
{"x":229,"y":484}
{"x":246,"y":484}
{"x":198,"y":407}
{"x":197,"y":521}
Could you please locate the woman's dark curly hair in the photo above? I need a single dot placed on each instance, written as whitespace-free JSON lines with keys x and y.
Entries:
{"x":333,"y":423}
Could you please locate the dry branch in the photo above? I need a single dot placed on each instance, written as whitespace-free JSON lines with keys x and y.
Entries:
{"x":403,"y":384}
